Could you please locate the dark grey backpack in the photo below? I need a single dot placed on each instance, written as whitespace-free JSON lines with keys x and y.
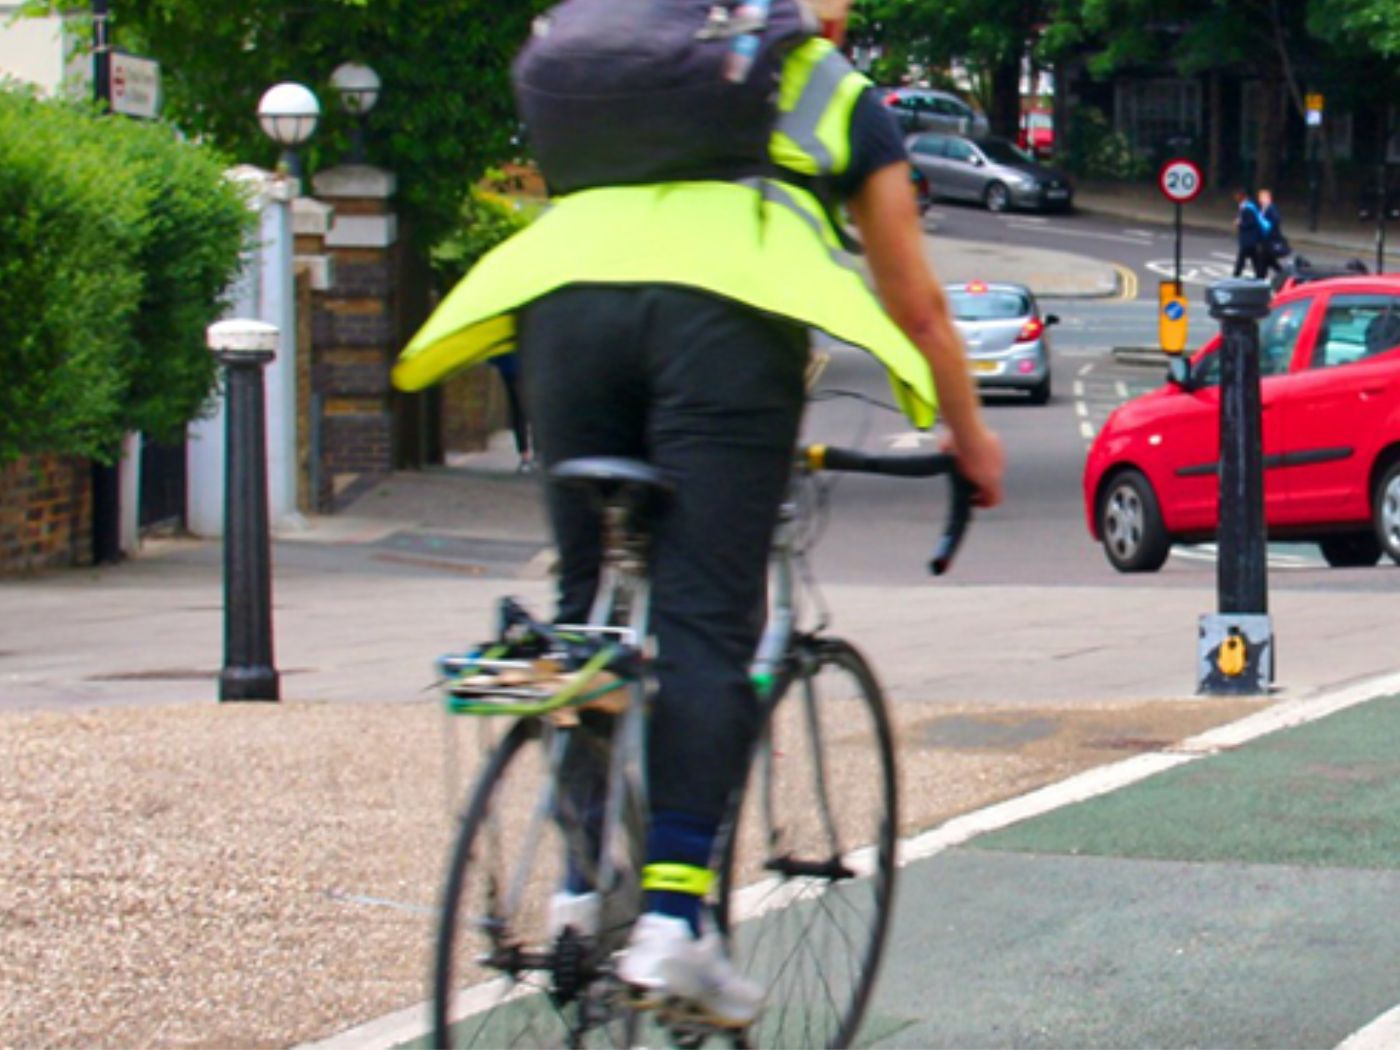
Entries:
{"x":617,"y":92}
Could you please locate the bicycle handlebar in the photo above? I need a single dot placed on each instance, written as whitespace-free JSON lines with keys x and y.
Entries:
{"x":924,"y":465}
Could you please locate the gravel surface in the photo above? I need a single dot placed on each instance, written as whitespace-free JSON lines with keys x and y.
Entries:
{"x":263,"y":875}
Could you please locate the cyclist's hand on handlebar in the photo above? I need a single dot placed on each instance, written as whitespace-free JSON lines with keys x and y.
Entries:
{"x":980,"y":460}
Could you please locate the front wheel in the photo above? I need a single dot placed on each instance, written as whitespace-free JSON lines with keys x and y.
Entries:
{"x":809,"y":864}
{"x":997,"y":197}
{"x":1386,"y":511}
{"x":1134,"y":537}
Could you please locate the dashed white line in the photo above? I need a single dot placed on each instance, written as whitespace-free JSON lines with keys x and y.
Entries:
{"x":1079,"y":387}
{"x":1121,"y":389}
{"x":1086,"y":430}
{"x":1140,"y":233}
{"x":1082,"y":409}
{"x":1086,"y":370}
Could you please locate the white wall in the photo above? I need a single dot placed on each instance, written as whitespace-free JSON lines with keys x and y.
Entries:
{"x":39,"y":51}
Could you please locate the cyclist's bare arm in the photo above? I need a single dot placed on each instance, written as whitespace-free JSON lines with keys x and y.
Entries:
{"x":888,"y":220}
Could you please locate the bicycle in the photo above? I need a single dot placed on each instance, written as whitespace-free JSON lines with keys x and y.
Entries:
{"x":804,"y":886}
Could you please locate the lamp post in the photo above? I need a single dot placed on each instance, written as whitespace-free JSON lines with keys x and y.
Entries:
{"x":288,"y":113}
{"x":358,"y":85}
{"x":244,"y":348}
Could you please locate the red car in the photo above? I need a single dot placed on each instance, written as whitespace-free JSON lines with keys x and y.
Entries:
{"x":1037,"y":132}
{"x":1330,"y":393}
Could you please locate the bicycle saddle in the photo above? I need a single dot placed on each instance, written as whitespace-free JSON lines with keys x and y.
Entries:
{"x":616,"y":477}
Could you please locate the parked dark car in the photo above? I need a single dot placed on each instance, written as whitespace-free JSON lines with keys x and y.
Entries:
{"x":988,"y":169}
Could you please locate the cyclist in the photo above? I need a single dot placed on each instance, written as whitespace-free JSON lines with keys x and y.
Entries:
{"x":668,"y":321}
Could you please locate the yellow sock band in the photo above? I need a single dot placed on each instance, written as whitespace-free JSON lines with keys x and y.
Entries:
{"x":678,"y":878}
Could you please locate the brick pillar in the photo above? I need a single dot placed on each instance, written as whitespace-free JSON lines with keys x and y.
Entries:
{"x":355,"y":329}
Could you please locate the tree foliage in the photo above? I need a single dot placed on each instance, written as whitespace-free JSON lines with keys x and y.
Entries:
{"x":444,"y":113}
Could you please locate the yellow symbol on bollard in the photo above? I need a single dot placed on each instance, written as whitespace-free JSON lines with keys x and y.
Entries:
{"x":1231,"y":658}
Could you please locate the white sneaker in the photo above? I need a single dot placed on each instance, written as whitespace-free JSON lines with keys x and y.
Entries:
{"x":664,"y":960}
{"x":581,"y":911}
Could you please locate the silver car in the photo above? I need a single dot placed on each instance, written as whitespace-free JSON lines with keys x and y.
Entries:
{"x":991,"y":170}
{"x":1007,"y":343}
{"x":926,"y":109}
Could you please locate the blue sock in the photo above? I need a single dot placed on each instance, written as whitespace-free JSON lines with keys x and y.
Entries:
{"x":679,"y":838}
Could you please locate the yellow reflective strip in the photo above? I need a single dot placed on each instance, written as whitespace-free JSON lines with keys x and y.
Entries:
{"x":425,"y":363}
{"x":678,"y":878}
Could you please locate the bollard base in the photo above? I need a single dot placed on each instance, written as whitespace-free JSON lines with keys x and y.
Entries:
{"x":249,"y":683}
{"x":1235,"y":656}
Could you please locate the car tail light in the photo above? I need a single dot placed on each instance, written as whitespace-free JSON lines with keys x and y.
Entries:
{"x":1030,"y":331}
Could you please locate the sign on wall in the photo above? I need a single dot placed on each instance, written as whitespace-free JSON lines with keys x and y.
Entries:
{"x":135,"y":86}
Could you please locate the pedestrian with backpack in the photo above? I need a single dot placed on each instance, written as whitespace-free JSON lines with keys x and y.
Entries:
{"x":699,"y":153}
{"x":1273,"y":245}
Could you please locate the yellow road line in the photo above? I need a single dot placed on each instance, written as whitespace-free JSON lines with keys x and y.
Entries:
{"x":1127,"y":282}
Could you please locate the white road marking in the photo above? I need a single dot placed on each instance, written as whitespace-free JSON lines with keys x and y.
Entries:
{"x":1037,"y":220}
{"x":1086,"y":370}
{"x":1082,"y":409}
{"x":1381,"y":1034}
{"x":1086,"y":430}
{"x":1093,"y":234}
{"x":1140,"y":233}
{"x":1224,"y":255}
{"x":1079,"y":387}
{"x":910,"y":439}
{"x":1193,"y":271}
{"x":1121,"y":389}
{"x":1209,"y":552}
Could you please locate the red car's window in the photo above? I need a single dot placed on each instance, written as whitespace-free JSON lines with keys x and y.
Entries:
{"x":1356,"y":326}
{"x":1278,"y":338}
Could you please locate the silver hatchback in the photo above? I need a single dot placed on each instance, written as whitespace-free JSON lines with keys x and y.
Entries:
{"x":1005,"y":335}
{"x":990,"y":170}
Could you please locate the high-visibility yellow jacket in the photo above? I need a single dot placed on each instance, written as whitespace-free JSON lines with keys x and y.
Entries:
{"x":766,"y":243}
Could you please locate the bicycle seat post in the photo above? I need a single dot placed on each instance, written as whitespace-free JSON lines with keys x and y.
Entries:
{"x":628,"y":494}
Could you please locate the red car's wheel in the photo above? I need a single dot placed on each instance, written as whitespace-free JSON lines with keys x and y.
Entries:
{"x":1130,"y":524}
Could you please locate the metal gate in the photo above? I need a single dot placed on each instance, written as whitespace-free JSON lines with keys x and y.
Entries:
{"x":162,"y":485}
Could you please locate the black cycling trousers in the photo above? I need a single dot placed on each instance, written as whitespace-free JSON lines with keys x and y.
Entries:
{"x":712,"y":394}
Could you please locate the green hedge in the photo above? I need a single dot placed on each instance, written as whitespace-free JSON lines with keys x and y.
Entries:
{"x":117,"y":245}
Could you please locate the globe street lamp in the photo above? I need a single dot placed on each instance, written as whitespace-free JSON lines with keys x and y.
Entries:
{"x":288,"y":113}
{"x":358,"y":86}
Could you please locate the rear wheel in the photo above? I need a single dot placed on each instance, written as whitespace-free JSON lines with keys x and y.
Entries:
{"x":997,"y":197}
{"x":1134,"y":537}
{"x":1351,"y":550}
{"x":809,"y":867}
{"x":1040,"y":393}
{"x":1385,"y":505}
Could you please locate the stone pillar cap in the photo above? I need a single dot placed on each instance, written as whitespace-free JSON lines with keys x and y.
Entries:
{"x":242,"y":335}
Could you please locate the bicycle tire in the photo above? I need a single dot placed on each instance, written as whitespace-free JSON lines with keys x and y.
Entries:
{"x":807,"y":909}
{"x":483,"y":995}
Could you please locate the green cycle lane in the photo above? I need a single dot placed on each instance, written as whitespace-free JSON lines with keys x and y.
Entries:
{"x":1248,"y":899}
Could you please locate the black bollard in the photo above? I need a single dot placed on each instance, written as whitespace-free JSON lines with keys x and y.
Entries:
{"x":245,"y":348}
{"x":1237,"y":644}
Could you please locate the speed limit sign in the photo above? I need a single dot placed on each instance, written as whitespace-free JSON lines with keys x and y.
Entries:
{"x":1180,"y":181}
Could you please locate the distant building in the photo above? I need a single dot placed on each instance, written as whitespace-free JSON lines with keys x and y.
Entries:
{"x":45,"y":51}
